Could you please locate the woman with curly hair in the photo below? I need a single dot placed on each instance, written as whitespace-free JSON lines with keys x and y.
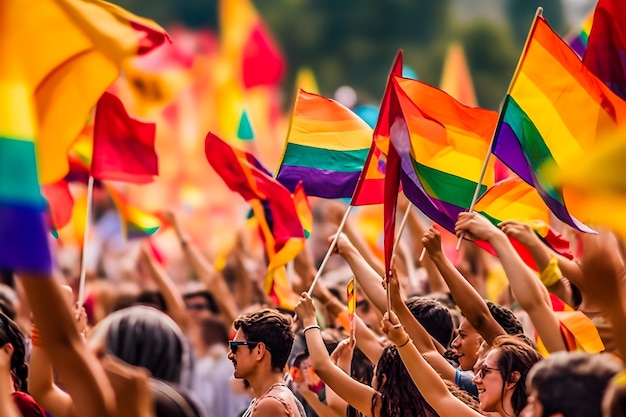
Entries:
{"x":392,"y":393}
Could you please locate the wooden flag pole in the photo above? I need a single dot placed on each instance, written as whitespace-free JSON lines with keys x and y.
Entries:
{"x":83,"y":261}
{"x":331,"y":248}
{"x":401,"y":229}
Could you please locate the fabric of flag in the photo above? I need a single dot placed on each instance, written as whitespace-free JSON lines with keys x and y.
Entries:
{"x":123,"y":147}
{"x":71,"y":51}
{"x":79,"y":155}
{"x":351,"y":297}
{"x":244,"y":131}
{"x":371,"y":184}
{"x":23,"y":231}
{"x":542,"y":125}
{"x":391,"y":184}
{"x":248,"y":45}
{"x":60,"y":205}
{"x":514,"y":199}
{"x":136,"y":223}
{"x":442,"y":145}
{"x":579,"y":38}
{"x":303,"y":209}
{"x":455,"y":78}
{"x":273,"y":208}
{"x":326,"y":148}
{"x":606,"y":50}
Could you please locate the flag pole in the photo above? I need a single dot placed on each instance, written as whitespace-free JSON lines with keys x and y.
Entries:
{"x":83,"y":261}
{"x":401,"y":229}
{"x":331,"y":248}
{"x":538,"y":13}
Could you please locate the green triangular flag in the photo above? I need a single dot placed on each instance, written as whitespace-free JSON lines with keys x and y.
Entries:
{"x":244,"y":131}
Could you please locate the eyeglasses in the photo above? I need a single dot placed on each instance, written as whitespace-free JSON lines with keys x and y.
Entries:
{"x":234,"y":345}
{"x":484,"y":370}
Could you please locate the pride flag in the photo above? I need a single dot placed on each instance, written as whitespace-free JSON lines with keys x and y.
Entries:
{"x":273,"y":208}
{"x":303,"y":209}
{"x":60,"y":205}
{"x":442,"y":146}
{"x":326,"y":147}
{"x":555,"y":111}
{"x":579,"y":38}
{"x":123,"y":147}
{"x":71,"y":52}
{"x":607,"y":45}
{"x":23,"y":230}
{"x":136,"y":223}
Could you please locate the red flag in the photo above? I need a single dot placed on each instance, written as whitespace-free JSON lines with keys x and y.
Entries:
{"x":123,"y":147}
{"x":60,"y":204}
{"x":382,"y":138}
{"x":273,"y":207}
{"x":606,"y":46}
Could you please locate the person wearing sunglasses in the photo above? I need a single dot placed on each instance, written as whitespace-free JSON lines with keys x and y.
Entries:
{"x":259,"y":353}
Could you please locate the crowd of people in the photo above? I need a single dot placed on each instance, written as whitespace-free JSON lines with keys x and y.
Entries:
{"x":424,"y":340}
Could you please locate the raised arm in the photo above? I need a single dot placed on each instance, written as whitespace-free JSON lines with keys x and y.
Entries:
{"x":173,"y":299}
{"x":355,"y":393}
{"x":426,"y":379}
{"x":529,"y":291}
{"x":83,"y":377}
{"x":542,"y":255}
{"x":466,"y":297}
{"x":205,"y":271}
{"x":421,"y":338}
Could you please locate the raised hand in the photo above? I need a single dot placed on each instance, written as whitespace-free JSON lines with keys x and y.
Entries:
{"x":432,"y":242}
{"x":521,"y":232}
{"x":305,"y":310}
{"x":393,"y":329}
{"x":475,"y":227}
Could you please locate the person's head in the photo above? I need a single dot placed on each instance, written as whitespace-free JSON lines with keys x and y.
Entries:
{"x":263,"y":337}
{"x":435,"y":318}
{"x":501,"y":376}
{"x":569,"y":384}
{"x":12,"y":338}
{"x":144,"y":336}
{"x":367,"y":313}
{"x":170,"y":401}
{"x":399,"y":395}
{"x":200,"y":304}
{"x":505,"y":318}
{"x":466,"y":344}
{"x":213,"y":331}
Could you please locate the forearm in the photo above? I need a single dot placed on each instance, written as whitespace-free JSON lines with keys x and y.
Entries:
{"x":83,"y":377}
{"x":530,"y":293}
{"x":363,"y":248}
{"x":41,"y":385}
{"x":320,"y":408}
{"x":173,"y":299}
{"x":368,"y":279}
{"x":468,"y":299}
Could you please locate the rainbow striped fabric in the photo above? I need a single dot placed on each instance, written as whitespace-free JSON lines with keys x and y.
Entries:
{"x":136,"y":223}
{"x":555,"y":112}
{"x":326,"y":148}
{"x":579,"y":38}
{"x":23,"y":231}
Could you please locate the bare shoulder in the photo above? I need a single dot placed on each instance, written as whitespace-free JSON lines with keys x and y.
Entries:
{"x":270,"y":407}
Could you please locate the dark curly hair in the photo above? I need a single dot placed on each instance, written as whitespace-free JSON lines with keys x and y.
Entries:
{"x":399,"y":395}
{"x":505,"y":318}
{"x":271,"y":328}
{"x":435,"y":318}
{"x":11,"y":333}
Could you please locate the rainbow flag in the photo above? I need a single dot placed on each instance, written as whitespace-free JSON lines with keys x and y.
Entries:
{"x":326,"y":147}
{"x":72,"y":51}
{"x":23,"y":231}
{"x":303,"y":209}
{"x":606,"y":49}
{"x":555,"y":111}
{"x":578,"y":39}
{"x":351,"y":297}
{"x":442,"y":145}
{"x":136,"y":223}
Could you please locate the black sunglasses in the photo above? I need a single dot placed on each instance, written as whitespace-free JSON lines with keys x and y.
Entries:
{"x":234,"y":345}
